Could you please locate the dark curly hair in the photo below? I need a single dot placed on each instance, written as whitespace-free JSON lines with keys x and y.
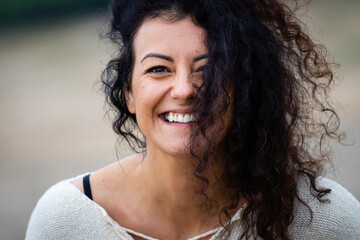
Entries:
{"x":274,"y":78}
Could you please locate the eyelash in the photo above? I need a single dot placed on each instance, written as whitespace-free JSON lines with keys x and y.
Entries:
{"x":201,"y":69}
{"x":156,"y":68}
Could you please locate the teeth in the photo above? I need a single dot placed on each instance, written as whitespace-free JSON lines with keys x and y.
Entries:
{"x":171,"y":117}
{"x":187,"y":118}
{"x":180,"y":118}
{"x":177,"y":117}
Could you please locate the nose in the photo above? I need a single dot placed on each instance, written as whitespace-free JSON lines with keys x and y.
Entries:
{"x":183,"y":87}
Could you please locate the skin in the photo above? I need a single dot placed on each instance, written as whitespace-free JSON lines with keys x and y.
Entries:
{"x":167,"y":71}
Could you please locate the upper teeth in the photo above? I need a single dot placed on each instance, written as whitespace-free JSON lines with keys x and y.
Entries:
{"x":177,"y":117}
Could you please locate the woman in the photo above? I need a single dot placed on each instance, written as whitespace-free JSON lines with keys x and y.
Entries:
{"x":231,"y":101}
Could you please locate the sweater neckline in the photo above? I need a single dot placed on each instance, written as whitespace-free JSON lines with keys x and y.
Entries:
{"x":125,"y":232}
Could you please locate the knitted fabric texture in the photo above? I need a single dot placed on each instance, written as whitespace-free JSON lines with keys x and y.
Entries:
{"x":64,"y":212}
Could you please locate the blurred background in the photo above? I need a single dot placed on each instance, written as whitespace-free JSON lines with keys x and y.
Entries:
{"x":53,"y":123}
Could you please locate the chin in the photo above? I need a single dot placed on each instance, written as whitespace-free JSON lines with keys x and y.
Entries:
{"x":180,"y":151}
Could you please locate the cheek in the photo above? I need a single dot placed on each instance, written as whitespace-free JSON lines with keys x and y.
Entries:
{"x":224,"y":122}
{"x":147,"y":98}
{"x":152,"y":93}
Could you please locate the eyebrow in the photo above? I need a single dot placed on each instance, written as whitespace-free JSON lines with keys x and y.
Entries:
{"x":198,"y":58}
{"x":167,"y":58}
{"x":156,"y":55}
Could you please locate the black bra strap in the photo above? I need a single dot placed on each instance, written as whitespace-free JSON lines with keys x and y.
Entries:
{"x":87,"y":187}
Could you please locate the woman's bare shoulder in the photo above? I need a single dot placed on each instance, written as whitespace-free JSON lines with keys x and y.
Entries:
{"x":110,"y":175}
{"x":115,"y":186}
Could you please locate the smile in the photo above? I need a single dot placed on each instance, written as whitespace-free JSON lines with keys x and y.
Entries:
{"x":180,"y":118}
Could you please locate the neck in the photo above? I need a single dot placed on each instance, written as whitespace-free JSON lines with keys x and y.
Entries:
{"x":171,"y":188}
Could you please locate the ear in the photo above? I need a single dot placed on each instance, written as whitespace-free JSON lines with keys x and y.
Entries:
{"x":130,"y":103}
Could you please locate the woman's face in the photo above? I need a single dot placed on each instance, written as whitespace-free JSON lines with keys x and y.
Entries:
{"x":168,"y":62}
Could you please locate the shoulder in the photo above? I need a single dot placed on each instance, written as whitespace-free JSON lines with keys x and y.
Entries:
{"x":337,"y":218}
{"x":64,"y":212}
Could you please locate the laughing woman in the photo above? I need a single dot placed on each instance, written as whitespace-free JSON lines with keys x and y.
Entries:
{"x":231,"y":101}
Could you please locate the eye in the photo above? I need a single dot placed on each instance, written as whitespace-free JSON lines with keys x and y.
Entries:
{"x":200,"y":69}
{"x":157,"y":69}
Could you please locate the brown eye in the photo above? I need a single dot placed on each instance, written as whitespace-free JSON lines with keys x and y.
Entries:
{"x":157,"y":69}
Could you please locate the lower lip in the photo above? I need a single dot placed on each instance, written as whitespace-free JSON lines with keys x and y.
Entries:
{"x":177,"y":124}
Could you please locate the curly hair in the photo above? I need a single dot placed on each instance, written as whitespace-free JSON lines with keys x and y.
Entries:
{"x":265,"y":67}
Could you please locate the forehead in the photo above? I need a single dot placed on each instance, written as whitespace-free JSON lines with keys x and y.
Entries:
{"x":159,"y":35}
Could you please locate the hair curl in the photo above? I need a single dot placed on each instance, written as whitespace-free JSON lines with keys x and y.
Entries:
{"x":275,"y":79}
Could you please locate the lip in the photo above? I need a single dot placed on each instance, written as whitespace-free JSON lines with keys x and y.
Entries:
{"x":181,"y":111}
{"x":177,"y":124}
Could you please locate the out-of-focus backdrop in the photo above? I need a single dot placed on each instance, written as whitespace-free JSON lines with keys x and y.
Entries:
{"x":53,"y":123}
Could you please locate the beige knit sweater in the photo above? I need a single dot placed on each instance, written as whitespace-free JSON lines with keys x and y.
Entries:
{"x":64,"y":212}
